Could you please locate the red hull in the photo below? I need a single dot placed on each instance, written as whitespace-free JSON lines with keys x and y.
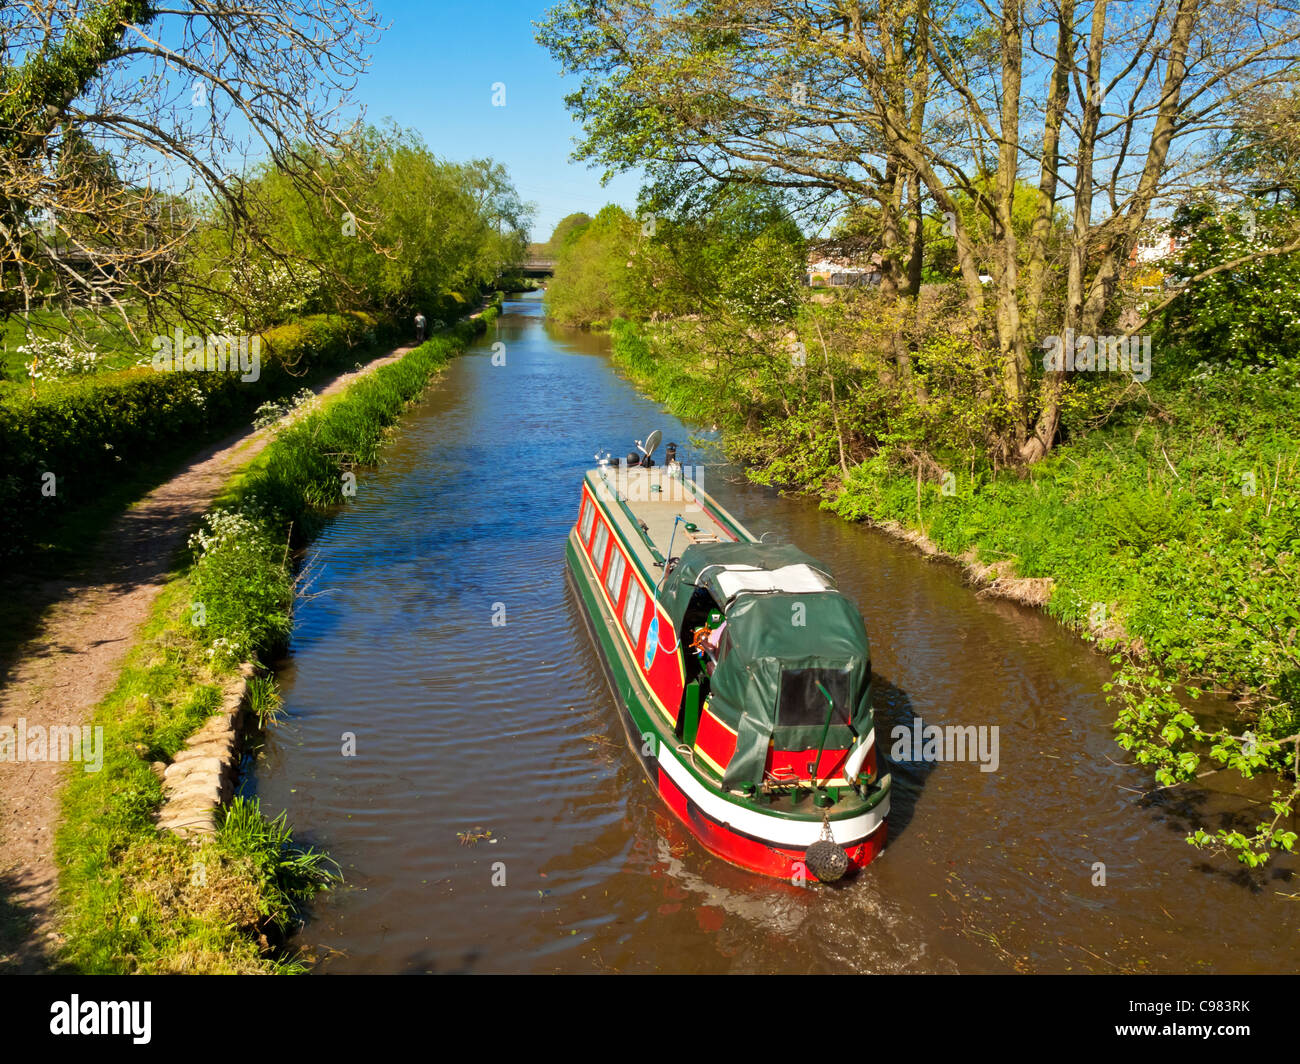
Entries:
{"x":750,"y":853}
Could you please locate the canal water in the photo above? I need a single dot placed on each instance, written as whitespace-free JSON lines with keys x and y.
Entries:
{"x":491,"y":817}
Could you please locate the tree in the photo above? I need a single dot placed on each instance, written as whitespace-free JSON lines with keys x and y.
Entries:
{"x":1240,"y":237}
{"x":1260,"y":152}
{"x":399,"y":230}
{"x":1246,"y":316}
{"x":567,"y":228}
{"x":732,"y":251}
{"x":590,"y":285}
{"x":177,"y":98}
{"x":1105,"y":108}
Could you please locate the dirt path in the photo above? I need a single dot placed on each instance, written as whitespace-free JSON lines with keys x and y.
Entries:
{"x":87,"y":626}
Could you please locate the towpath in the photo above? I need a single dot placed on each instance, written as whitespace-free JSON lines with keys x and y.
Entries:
{"x":88,"y":623}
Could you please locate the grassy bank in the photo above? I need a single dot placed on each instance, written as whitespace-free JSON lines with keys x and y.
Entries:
{"x":110,"y":439}
{"x":134,"y":900}
{"x":1170,"y":537}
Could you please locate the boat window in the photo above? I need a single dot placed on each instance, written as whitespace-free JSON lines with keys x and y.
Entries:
{"x":614,"y":578}
{"x":802,"y":702}
{"x":598,"y":550}
{"x":634,"y":610}
{"x":588,"y":514}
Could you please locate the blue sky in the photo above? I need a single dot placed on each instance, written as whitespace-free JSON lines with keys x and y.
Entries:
{"x":433,"y":72}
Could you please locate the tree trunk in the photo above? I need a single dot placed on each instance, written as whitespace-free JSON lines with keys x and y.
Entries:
{"x":1011,"y":341}
{"x":1049,"y":410}
{"x":1086,"y":304}
{"x":1049,"y":169}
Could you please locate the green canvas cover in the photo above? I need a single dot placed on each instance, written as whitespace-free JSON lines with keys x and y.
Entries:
{"x":776,"y":649}
{"x":680,"y":584}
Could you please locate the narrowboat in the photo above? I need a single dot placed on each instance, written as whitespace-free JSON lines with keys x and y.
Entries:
{"x":742,"y":674}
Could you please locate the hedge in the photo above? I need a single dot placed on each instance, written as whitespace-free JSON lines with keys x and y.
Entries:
{"x":64,"y":446}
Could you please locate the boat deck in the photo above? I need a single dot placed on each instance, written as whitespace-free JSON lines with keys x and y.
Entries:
{"x":652,"y":500}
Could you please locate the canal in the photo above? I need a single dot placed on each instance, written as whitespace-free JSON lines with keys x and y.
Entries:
{"x":472,"y":778}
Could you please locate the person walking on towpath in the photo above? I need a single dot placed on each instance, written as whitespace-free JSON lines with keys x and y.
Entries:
{"x":419,"y":328}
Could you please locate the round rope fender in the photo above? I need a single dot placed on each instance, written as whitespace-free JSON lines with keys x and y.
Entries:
{"x":827,"y":860}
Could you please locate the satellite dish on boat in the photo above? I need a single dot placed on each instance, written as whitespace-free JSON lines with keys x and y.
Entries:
{"x":651,"y":443}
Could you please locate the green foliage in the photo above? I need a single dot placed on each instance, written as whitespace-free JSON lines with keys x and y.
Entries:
{"x":650,"y":362}
{"x":1175,"y":537}
{"x":55,"y":75}
{"x":1154,"y":725}
{"x":299,"y":477}
{"x":973,"y":217}
{"x":242,"y":565}
{"x":1141,"y":519}
{"x":566,"y":230}
{"x":732,"y":252}
{"x":79,"y":330}
{"x":89,"y":432}
{"x":264,"y":700}
{"x":132,"y":899}
{"x":401,"y":231}
{"x":1248,"y":316}
{"x":285,"y":874}
{"x":591,"y":281}
{"x":1192,"y":574}
{"x":241,"y":580}
{"x":760,"y":283}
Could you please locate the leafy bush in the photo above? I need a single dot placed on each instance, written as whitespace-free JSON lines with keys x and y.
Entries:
{"x":62,"y":447}
{"x":242,"y":583}
{"x":1246,"y":316}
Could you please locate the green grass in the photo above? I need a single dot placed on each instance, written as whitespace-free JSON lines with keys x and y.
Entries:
{"x":264,"y":700}
{"x":57,"y":549}
{"x":1146,"y":524}
{"x":114,"y":347}
{"x":1172,"y":539}
{"x":134,"y":900}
